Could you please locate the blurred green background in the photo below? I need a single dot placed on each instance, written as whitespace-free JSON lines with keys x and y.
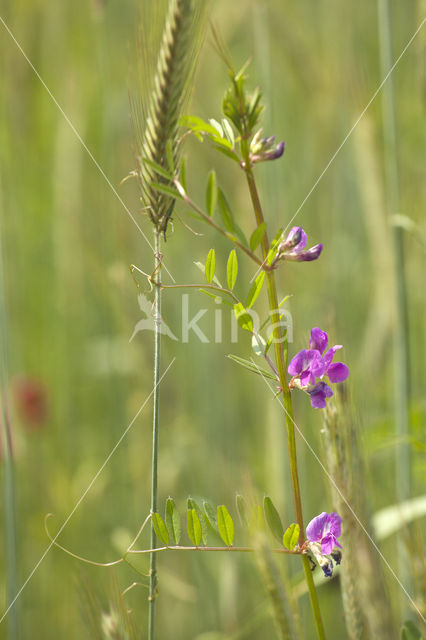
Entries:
{"x":71,"y":305}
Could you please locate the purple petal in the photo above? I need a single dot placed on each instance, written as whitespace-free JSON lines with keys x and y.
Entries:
{"x":312,"y":254}
{"x":307,"y":378}
{"x":335,"y":522}
{"x":328,"y":357}
{"x":315,"y":528}
{"x":277,"y":152}
{"x":302,"y":242}
{"x":318,"y":400}
{"x":318,"y":394}
{"x":327,"y":544}
{"x":337,"y":372}
{"x":300,"y":362}
{"x":318,"y":366}
{"x":319,"y":340}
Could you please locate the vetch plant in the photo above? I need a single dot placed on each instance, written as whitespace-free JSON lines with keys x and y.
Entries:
{"x":164,"y":181}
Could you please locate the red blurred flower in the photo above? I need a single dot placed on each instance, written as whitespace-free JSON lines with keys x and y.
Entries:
{"x":30,"y":398}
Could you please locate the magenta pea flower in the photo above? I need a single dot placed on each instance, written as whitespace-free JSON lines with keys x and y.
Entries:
{"x":325,"y":529}
{"x":309,"y":366}
{"x":293,"y":247}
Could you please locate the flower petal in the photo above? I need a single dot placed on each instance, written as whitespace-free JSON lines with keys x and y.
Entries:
{"x":318,"y":394}
{"x":319,"y":340}
{"x":327,"y":544}
{"x":335,"y":524}
{"x":302,"y":242}
{"x":315,"y":528}
{"x":328,"y":357}
{"x":337,"y":372}
{"x":312,"y":254}
{"x":300,"y":362}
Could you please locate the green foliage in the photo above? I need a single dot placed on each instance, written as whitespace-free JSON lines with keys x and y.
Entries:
{"x":409,"y":631}
{"x":211,"y":193}
{"x":257,"y":236}
{"x":291,"y":536}
{"x":210,"y":265}
{"x":232,"y":269}
{"x":255,"y":290}
{"x":228,"y":218}
{"x":244,"y":319}
{"x":193,"y":527}
{"x":258,"y":344}
{"x":173,"y":521}
{"x":273,"y":519}
{"x":160,"y":528}
{"x":225,"y":525}
{"x":250,"y":366}
{"x":193,"y":505}
{"x":210,"y":514}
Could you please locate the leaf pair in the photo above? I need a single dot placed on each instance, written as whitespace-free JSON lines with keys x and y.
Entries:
{"x":169,"y":531}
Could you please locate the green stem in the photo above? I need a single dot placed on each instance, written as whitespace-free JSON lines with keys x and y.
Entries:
{"x":281,"y":348}
{"x":9,"y":492}
{"x":401,"y":349}
{"x":155,"y":430}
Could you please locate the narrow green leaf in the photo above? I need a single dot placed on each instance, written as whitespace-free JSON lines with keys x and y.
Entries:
{"x":409,"y":631}
{"x":158,"y":169}
{"x":173,"y":521}
{"x":273,"y":519}
{"x":242,"y":509}
{"x":217,"y":126}
{"x":227,"y":152}
{"x":258,"y":344}
{"x":193,"y":505}
{"x":228,"y":131}
{"x":198,"y":125}
{"x":291,"y":536}
{"x":269,"y":342}
{"x":284,"y":300}
{"x":257,"y":236}
{"x":160,"y":528}
{"x":182,"y":173}
{"x":210,"y":265}
{"x":193,"y":527}
{"x":252,"y":367}
{"x":225,"y":211}
{"x":244,"y":319}
{"x":169,"y":191}
{"x":210,"y":514}
{"x":211,"y":193}
{"x":202,"y":268}
{"x":255,"y":290}
{"x":225,"y":525}
{"x":232,"y":269}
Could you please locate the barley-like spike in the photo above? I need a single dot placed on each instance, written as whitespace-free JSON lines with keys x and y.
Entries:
{"x":163,"y":109}
{"x":365,"y":601}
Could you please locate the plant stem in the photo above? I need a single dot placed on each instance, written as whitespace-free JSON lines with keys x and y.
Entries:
{"x":401,"y":349}
{"x":280,"y":346}
{"x":9,"y":493}
{"x":155,"y":430}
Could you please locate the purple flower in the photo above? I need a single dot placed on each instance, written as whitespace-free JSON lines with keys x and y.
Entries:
{"x":310,"y":364}
{"x":325,"y":529}
{"x":293,"y":247}
{"x":265,"y":149}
